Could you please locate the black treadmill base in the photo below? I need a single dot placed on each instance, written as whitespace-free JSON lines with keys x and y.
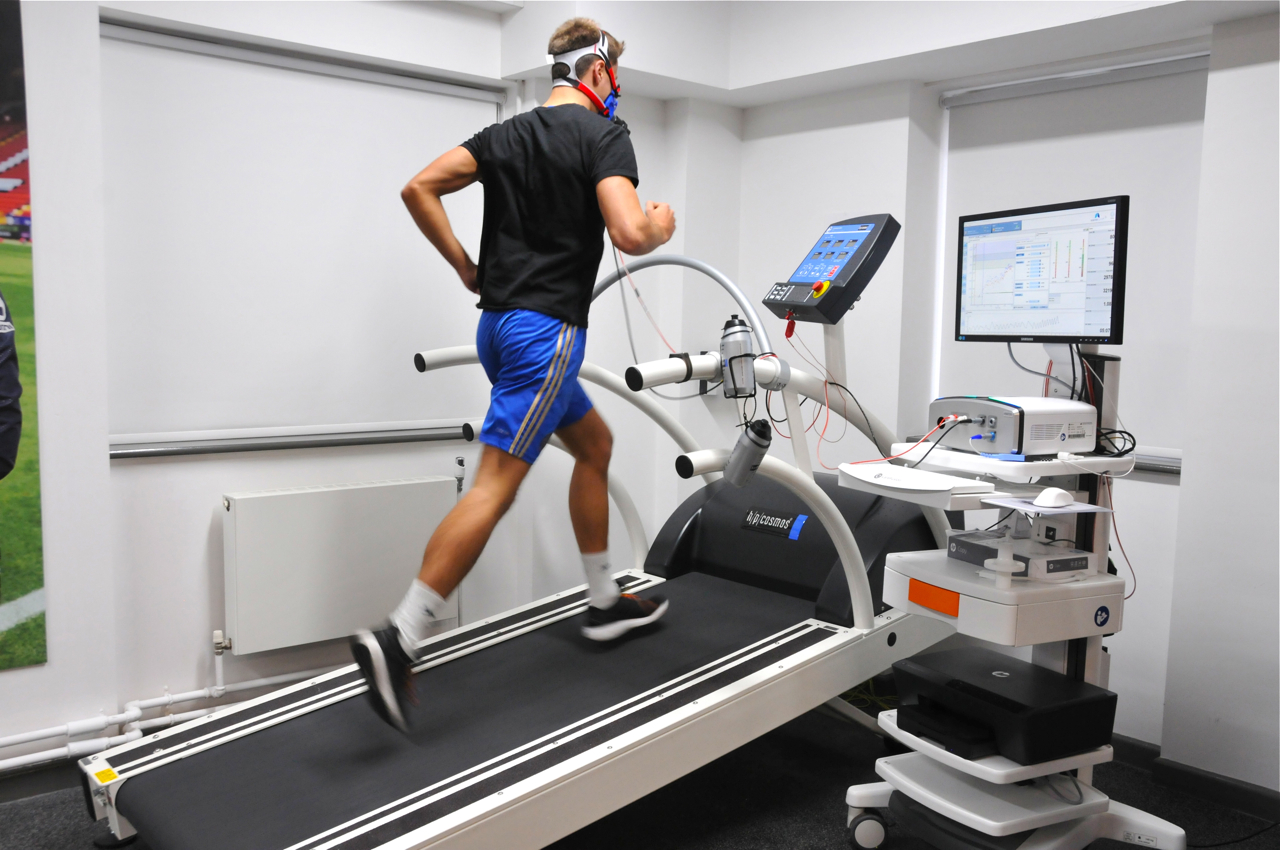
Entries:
{"x":283,"y":785}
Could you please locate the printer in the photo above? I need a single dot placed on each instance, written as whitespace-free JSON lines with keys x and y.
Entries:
{"x":975,"y":703}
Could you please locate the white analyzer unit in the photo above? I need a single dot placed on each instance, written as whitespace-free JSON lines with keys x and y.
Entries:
{"x":1028,"y":426}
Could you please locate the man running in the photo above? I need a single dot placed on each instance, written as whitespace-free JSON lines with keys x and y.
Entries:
{"x":554,"y":178}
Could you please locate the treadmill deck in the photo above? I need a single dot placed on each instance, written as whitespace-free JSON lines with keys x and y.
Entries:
{"x":509,"y":708}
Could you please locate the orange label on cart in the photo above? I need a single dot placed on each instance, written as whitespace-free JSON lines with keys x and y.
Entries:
{"x":934,"y":598}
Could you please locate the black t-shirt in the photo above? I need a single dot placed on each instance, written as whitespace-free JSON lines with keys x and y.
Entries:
{"x":543,"y":232}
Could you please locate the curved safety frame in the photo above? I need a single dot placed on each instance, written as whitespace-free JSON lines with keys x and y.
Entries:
{"x":462,"y":355}
{"x":748,"y":310}
{"x":855,"y":571}
{"x":621,"y":498}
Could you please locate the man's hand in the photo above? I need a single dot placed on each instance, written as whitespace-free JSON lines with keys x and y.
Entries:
{"x":633,"y":229}
{"x":661,"y":215}
{"x":468,"y":275}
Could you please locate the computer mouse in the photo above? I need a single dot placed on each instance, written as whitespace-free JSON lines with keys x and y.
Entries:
{"x":1053,"y":497}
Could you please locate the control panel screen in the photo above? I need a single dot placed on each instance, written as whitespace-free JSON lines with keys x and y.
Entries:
{"x":825,"y":260}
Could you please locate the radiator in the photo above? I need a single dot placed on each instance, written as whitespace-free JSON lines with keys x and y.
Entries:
{"x":317,"y":563}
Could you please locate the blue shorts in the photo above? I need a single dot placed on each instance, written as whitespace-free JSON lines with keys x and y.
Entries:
{"x":532,"y":361}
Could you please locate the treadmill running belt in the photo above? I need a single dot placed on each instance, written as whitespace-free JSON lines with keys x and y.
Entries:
{"x":286,"y":784}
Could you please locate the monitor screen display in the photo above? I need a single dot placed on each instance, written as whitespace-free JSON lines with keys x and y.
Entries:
{"x":1044,"y":274}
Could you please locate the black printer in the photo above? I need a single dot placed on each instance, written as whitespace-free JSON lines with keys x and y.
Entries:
{"x":975,"y":703}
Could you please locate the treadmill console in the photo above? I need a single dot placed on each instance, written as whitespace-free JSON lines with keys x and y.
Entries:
{"x":835,"y":271}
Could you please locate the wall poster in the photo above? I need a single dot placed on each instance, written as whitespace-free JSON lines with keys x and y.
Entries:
{"x":22,"y":636}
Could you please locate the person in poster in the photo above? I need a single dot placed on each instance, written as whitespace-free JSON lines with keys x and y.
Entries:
{"x":10,"y":391}
{"x":22,"y":599}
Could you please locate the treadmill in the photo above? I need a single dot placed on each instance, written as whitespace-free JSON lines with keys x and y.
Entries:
{"x":525,"y":731}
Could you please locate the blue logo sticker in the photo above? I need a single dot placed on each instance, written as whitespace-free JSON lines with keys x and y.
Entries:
{"x":799,"y":524}
{"x":1102,"y":615}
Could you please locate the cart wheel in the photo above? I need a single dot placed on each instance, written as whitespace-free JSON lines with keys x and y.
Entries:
{"x":866,"y":832}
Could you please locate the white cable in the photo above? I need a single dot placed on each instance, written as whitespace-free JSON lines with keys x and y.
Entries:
{"x":1009,"y":345}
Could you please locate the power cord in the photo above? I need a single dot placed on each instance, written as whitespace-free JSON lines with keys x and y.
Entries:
{"x":997,"y":522}
{"x":941,"y":437}
{"x":1053,"y":791}
{"x":954,"y":419}
{"x":1129,"y":442}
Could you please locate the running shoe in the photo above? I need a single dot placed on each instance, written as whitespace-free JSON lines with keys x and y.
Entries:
{"x":388,"y":671}
{"x":629,"y":612}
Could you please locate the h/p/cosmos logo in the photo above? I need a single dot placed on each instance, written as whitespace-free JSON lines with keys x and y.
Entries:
{"x":774,"y":522}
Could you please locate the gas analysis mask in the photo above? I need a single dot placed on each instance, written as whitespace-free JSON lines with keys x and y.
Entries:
{"x":609,"y":106}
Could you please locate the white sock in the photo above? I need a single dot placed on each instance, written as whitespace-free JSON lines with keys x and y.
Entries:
{"x":415,"y":614}
{"x":602,"y":590}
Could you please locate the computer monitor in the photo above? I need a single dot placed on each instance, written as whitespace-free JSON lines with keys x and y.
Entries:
{"x":1049,"y":274}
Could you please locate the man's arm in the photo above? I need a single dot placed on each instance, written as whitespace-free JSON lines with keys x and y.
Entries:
{"x":633,"y":230}
{"x":454,"y":170}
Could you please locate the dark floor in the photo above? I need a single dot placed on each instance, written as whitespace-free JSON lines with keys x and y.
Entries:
{"x":785,"y":790}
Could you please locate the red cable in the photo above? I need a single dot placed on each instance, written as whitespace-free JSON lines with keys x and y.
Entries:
{"x":1111,"y":497}
{"x":644,"y":306}
{"x":944,"y":421}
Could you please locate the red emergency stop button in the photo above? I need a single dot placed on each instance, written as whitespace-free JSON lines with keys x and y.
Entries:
{"x":820,"y":288}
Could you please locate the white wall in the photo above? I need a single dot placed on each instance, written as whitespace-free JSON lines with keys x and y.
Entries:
{"x":771,"y":40}
{"x":60,"y":43}
{"x":1223,"y":691}
{"x":1142,"y":139}
{"x":807,"y":163}
{"x":451,"y":37}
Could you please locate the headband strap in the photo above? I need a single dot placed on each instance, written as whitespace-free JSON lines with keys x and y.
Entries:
{"x":570,"y":58}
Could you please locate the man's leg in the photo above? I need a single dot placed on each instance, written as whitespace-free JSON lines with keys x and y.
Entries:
{"x":457,"y":543}
{"x":610,"y":614}
{"x":591,"y":444}
{"x":462,"y":535}
{"x":386,"y":656}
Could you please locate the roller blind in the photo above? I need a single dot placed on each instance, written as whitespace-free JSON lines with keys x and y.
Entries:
{"x":262,"y":271}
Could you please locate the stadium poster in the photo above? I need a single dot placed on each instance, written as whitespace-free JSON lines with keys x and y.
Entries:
{"x":22,"y":636}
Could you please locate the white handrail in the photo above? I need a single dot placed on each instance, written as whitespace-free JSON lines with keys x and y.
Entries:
{"x":463,"y":355}
{"x":748,"y":309}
